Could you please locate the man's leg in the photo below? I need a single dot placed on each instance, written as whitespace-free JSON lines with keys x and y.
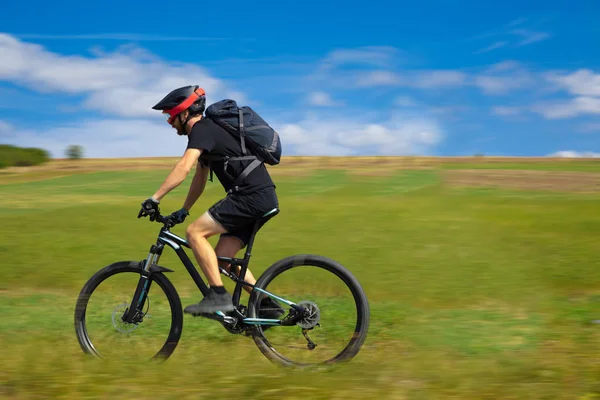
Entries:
{"x":197,"y":234}
{"x":229,"y":246}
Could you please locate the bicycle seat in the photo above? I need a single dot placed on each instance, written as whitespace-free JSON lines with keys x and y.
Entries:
{"x":268,"y":215}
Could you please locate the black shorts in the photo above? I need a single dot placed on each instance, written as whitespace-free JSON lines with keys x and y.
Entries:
{"x":237,"y":213}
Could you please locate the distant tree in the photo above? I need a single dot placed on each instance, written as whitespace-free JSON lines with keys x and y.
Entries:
{"x":74,"y":152}
{"x":14,"y":156}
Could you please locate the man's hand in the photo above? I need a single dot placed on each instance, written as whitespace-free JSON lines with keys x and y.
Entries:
{"x":149,"y":207}
{"x":179,"y":215}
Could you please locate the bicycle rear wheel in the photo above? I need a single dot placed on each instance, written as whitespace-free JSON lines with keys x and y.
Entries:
{"x":337,"y":320}
{"x":99,"y":326}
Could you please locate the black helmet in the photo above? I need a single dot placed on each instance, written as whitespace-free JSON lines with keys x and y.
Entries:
{"x":181,"y":99}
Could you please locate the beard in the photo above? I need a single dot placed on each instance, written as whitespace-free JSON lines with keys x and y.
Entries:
{"x":181,"y":129}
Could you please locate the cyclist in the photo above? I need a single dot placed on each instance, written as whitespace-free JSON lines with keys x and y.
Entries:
{"x":233,"y":216}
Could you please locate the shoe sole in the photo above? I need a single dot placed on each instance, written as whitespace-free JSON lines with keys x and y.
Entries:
{"x":204,"y":312}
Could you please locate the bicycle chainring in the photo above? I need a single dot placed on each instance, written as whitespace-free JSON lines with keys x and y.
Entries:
{"x":238,"y":327}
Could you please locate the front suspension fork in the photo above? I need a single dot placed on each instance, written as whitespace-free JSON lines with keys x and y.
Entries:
{"x":134,"y":313}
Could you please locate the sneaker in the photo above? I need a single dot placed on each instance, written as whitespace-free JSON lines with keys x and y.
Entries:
{"x":270,"y":309}
{"x":213,"y":302}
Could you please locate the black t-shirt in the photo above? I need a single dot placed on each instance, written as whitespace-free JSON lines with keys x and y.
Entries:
{"x":214,"y":140}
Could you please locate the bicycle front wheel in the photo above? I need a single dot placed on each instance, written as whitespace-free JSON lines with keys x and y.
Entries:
{"x":336,"y":321}
{"x":103,"y":302}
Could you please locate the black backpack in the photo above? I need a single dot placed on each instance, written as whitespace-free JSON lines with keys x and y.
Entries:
{"x":255,"y":135}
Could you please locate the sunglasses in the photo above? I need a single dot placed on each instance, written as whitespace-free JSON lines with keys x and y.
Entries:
{"x":169,"y":118}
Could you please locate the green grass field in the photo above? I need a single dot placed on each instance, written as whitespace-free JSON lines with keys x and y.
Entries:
{"x":475,"y":293}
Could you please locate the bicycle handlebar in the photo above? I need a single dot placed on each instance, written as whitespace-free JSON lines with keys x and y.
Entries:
{"x":158,"y":217}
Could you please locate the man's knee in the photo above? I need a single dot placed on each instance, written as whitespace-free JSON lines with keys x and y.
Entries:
{"x":205,"y":227}
{"x":190,"y":232}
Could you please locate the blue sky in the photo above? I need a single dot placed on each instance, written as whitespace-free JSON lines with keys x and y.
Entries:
{"x":443,"y":77}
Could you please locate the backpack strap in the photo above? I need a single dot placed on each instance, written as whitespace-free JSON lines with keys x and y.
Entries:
{"x":256,"y":161}
{"x":240,"y":178}
{"x":243,"y":141}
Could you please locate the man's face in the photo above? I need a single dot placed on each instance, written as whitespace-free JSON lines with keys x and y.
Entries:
{"x":176,"y":124}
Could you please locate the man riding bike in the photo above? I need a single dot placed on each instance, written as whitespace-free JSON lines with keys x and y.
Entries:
{"x":233,"y":216}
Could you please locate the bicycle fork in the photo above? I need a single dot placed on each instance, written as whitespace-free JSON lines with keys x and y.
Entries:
{"x":134,"y":313}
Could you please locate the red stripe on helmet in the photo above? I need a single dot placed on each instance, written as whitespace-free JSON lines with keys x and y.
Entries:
{"x":173,"y":112}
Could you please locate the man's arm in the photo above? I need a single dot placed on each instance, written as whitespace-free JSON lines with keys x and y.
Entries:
{"x":178,"y":173}
{"x":197,"y":186}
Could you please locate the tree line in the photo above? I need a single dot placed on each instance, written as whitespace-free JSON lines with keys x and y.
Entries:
{"x":15,"y":156}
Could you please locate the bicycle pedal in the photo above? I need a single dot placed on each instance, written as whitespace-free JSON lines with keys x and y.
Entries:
{"x":221,"y":318}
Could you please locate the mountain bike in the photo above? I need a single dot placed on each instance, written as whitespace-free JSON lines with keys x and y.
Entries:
{"x":302,"y":328}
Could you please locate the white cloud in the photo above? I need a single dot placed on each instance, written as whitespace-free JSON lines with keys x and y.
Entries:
{"x":495,"y":84}
{"x":376,"y":78}
{"x":568,"y":108}
{"x":106,"y":138}
{"x":493,"y":46}
{"x":322,"y":99}
{"x":443,"y":112}
{"x":314,"y":135}
{"x":375,"y":69}
{"x":403,"y":134}
{"x":497,"y":79}
{"x":405,"y":101}
{"x":582,"y":82}
{"x":6,"y":132}
{"x":129,"y":37}
{"x":449,"y":112}
{"x":509,"y":65}
{"x":503,"y":77}
{"x":356,"y":68}
{"x":529,"y":37}
{"x":574,"y":154}
{"x":5,"y":127}
{"x":380,"y":56}
{"x":127,"y":82}
{"x":511,"y":34}
{"x":422,"y":79}
{"x":436,"y":79}
{"x":376,"y":66}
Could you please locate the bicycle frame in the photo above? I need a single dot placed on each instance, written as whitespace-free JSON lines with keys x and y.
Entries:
{"x":177,"y":243}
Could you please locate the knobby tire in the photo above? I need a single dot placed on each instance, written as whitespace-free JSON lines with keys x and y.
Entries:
{"x":363,"y":310}
{"x":157,"y":278}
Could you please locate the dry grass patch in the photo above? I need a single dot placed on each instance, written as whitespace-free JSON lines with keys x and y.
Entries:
{"x":291,"y":172}
{"x":290,"y":165}
{"x":524,"y":180}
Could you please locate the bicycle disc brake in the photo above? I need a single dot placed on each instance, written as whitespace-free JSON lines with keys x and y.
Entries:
{"x":118,"y":322}
{"x":311,"y":316}
{"x":123,"y":326}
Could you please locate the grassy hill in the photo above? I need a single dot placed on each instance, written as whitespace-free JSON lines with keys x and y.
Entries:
{"x":482,"y":276}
